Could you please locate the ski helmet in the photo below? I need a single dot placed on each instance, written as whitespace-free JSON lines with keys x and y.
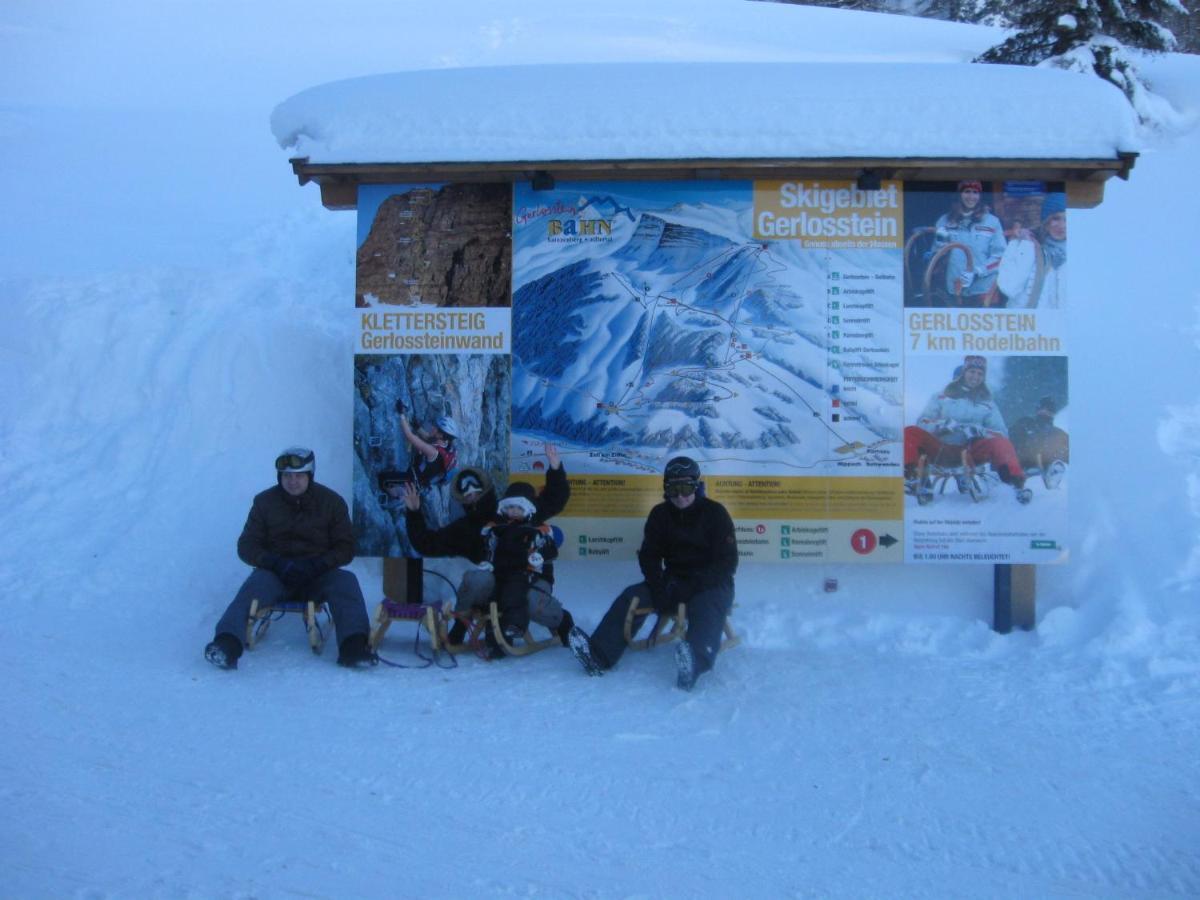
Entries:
{"x":447,"y":425}
{"x":682,"y":471}
{"x":296,"y":459}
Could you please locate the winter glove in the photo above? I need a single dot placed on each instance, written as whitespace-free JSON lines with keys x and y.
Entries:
{"x":309,"y":569}
{"x":285,"y":568}
{"x":953,"y":432}
{"x":666,"y":596}
{"x":297,"y":572}
{"x":658,"y":597}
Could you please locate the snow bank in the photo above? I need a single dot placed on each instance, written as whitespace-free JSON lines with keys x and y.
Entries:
{"x":706,"y":110}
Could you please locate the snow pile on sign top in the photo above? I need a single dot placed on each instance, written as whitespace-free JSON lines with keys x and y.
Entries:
{"x":690,"y":110}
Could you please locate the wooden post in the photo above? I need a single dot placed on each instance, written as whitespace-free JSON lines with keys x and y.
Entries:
{"x":1015,"y":595}
{"x":403,"y":579}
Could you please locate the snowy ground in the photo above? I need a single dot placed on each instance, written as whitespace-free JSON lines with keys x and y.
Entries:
{"x":872,"y":754}
{"x":876,"y":741}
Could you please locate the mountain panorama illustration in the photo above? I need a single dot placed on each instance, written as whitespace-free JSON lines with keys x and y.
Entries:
{"x":683,"y":339}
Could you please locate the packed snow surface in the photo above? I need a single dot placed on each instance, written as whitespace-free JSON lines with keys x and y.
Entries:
{"x":175,"y":314}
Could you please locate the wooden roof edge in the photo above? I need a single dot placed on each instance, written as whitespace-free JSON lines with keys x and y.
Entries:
{"x":339,"y":181}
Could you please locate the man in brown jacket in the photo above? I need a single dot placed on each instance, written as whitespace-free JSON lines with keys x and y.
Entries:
{"x":297,"y":537}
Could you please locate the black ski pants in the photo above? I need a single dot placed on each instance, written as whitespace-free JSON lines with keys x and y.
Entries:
{"x":707,"y":610}
{"x":337,"y":587}
{"x":512,"y":602}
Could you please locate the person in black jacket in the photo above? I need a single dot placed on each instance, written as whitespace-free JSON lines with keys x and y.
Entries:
{"x":297,"y":537}
{"x":688,"y":555}
{"x":465,"y":537}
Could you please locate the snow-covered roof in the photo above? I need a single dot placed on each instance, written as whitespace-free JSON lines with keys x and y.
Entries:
{"x":707,"y":110}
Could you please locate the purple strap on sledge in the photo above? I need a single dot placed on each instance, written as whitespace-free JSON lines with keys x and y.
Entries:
{"x":398,"y":610}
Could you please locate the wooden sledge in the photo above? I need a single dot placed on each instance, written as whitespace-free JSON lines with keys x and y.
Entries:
{"x":969,"y":478}
{"x":260,"y":618}
{"x":477,"y":625}
{"x":1052,"y":474}
{"x":528,"y":644}
{"x":677,"y":629}
{"x":390,"y":611}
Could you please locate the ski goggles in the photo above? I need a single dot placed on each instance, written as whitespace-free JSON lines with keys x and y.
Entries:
{"x":469,"y":484}
{"x":680,"y":488}
{"x":293,"y":461}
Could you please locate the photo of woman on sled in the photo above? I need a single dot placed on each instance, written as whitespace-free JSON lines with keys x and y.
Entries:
{"x":961,"y":427}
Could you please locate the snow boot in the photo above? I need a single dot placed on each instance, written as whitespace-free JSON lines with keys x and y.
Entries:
{"x":685,"y":667}
{"x":578,"y":641}
{"x":511,"y":634}
{"x":457,"y":633}
{"x":564,"y":628}
{"x":355,"y":652}
{"x":223,"y":651}
{"x":493,"y":650}
{"x":921,"y":488}
{"x":925,"y":491}
{"x":1053,"y":475}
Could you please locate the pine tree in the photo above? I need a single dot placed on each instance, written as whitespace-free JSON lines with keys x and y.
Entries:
{"x":1090,"y":36}
{"x":977,"y":12}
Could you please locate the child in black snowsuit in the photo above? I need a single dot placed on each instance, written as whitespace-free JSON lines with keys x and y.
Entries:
{"x":521,"y":552}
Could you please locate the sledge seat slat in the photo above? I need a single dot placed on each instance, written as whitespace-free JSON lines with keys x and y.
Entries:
{"x":260,"y":617}
{"x":678,"y":628}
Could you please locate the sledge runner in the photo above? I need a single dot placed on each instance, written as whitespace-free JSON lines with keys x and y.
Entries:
{"x":688,"y":556}
{"x":297,"y":537}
